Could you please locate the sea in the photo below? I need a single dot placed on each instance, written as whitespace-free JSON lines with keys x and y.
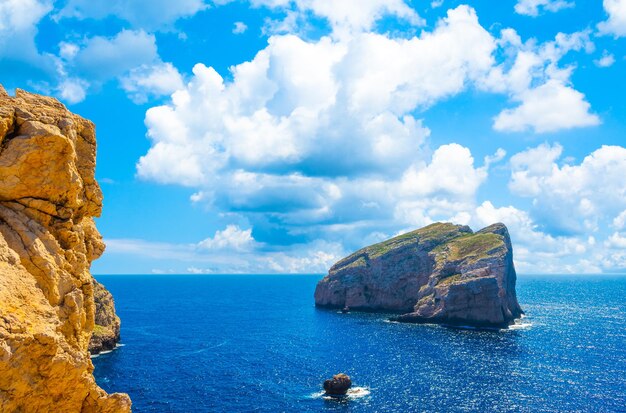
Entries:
{"x":256,"y":343}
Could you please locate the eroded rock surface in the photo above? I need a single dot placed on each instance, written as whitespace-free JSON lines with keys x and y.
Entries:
{"x":48,"y":239}
{"x":338,"y":385}
{"x":442,"y":273}
{"x":106,"y":332}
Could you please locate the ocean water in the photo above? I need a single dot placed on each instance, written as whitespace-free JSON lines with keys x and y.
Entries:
{"x":249,"y":343}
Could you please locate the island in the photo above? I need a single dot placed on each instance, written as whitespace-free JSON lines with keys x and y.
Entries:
{"x":442,"y":273}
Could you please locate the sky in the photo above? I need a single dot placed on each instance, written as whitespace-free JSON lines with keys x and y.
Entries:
{"x":277,"y":136}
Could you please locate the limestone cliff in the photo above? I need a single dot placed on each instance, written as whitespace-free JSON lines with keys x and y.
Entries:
{"x":48,"y":198}
{"x":442,"y":273}
{"x":106,"y":332}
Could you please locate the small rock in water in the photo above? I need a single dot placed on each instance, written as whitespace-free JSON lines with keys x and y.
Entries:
{"x":338,"y":385}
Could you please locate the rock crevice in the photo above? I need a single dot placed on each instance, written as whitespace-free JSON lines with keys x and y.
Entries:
{"x":442,"y":273}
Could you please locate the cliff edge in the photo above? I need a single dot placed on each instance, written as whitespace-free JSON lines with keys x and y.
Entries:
{"x":442,"y":273}
{"x":48,"y":239}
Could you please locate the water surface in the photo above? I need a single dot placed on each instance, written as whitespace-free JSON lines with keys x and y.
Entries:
{"x":250,"y":343}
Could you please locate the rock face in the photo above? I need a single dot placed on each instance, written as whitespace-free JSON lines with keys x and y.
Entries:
{"x":48,"y":239}
{"x":338,"y":385}
{"x":106,"y":332}
{"x":442,"y":273}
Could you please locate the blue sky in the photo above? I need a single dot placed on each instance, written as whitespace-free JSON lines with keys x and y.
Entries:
{"x":270,"y":136}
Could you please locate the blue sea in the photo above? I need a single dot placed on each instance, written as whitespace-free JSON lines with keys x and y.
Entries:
{"x":254,"y":343}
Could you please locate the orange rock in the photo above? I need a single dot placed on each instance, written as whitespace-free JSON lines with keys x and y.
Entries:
{"x":48,"y":199}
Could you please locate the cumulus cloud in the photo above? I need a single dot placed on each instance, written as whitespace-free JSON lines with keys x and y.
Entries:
{"x":606,"y":60}
{"x":301,"y":105}
{"x":320,"y":139}
{"x":619,"y":222}
{"x":155,"y":80}
{"x":533,"y":7}
{"x":345,"y":17}
{"x":321,"y":132}
{"x":451,"y":171}
{"x":239,"y":28}
{"x":101,"y":58}
{"x":555,"y":188}
{"x":536,"y":251}
{"x":146,"y":14}
{"x":228,"y":257}
{"x":232,"y":237}
{"x":550,"y":107}
{"x":616,"y":240}
{"x":615,"y":25}
{"x":532,"y":76}
{"x":18,"y":28}
{"x":130,"y":56}
{"x":81,"y":65}
{"x":73,"y":90}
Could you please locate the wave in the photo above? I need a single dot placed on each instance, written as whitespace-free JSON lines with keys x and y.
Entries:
{"x":118,"y":345}
{"x":520,"y":326}
{"x":352,"y":394}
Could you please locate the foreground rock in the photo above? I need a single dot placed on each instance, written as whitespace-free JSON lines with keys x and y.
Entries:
{"x":442,"y":273}
{"x":338,"y":385}
{"x":48,"y":239}
{"x":106,"y":332}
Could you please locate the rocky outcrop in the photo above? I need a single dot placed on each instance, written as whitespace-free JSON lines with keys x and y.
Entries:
{"x":48,"y":239}
{"x":106,"y":331}
{"x":442,"y":273}
{"x":338,"y":385}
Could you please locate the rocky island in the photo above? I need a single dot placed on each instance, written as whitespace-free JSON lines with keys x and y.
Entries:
{"x":338,"y":385}
{"x":442,"y":273}
{"x":48,"y":239}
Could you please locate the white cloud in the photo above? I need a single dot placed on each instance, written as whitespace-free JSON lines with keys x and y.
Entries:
{"x":535,"y":251}
{"x":239,"y":28}
{"x":615,"y":25}
{"x":319,"y":139}
{"x":620,"y":221}
{"x":101,"y":58}
{"x":147,"y":14}
{"x":573,"y":188}
{"x":605,"y":60}
{"x":130,"y":56}
{"x":346,"y":16}
{"x":533,"y":7}
{"x":436,"y":3}
{"x":616,"y":240}
{"x":451,"y":171}
{"x":18,"y":28}
{"x":529,"y":166}
{"x":154,"y":80}
{"x":73,"y":90}
{"x":68,"y":51}
{"x":311,"y":258}
{"x":232,"y":237}
{"x":531,"y":75}
{"x":320,"y":132}
{"x":302,"y":104}
{"x":550,"y":107}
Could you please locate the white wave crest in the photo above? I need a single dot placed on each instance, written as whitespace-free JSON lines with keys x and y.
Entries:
{"x":352,"y":394}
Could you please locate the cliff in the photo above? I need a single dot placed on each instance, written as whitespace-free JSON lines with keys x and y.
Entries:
{"x":48,"y":239}
{"x":442,"y":273}
{"x":106,"y":332}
